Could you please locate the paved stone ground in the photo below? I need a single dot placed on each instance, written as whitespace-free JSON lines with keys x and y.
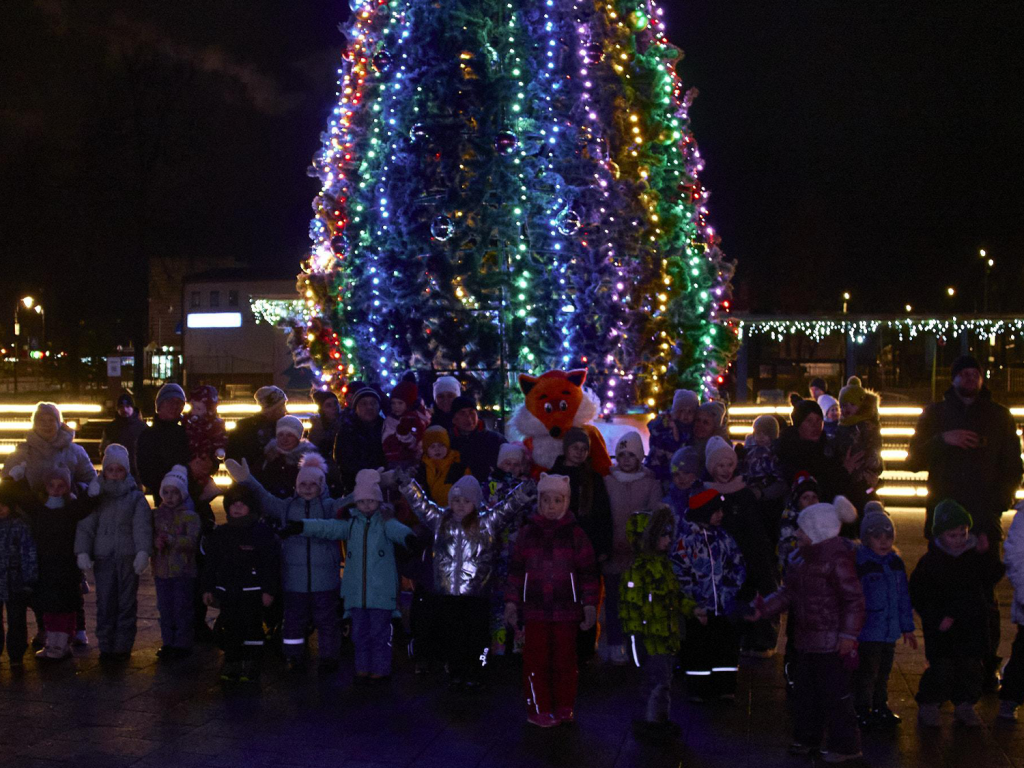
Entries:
{"x":151,"y":715}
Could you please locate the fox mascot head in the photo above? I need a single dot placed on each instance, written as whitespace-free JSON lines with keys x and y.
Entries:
{"x":556,"y":401}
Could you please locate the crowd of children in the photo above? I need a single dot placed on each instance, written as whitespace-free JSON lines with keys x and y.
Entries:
{"x":686,"y":556}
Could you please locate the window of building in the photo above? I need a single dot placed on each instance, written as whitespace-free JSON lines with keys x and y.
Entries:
{"x":232,"y":298}
{"x":214,"y":298}
{"x":194,"y":300}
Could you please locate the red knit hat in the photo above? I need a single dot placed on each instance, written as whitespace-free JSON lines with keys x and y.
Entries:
{"x":407,"y":392}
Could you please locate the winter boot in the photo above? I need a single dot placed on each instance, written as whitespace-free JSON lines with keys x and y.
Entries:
{"x":58,"y":646}
{"x":965,"y":714}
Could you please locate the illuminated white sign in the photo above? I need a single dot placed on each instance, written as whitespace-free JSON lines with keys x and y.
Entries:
{"x":215,"y":320}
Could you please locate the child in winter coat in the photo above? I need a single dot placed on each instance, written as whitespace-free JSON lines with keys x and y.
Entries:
{"x":831,"y":414}
{"x":883,"y":577}
{"x":822,"y":591}
{"x":467,"y":538}
{"x":669,"y":432}
{"x":116,"y":540}
{"x":761,"y":469}
{"x":311,"y":569}
{"x":744,"y":522}
{"x":323,"y":428}
{"x":207,"y":434}
{"x":552,"y":574}
{"x":631,"y":488}
{"x":948,"y":589}
{"x":686,"y":472}
{"x":652,"y":611}
{"x":281,"y":458}
{"x":440,"y":466}
{"x":370,"y":586}
{"x":711,"y":571}
{"x":859,"y":431}
{"x":241,"y":573}
{"x":176,"y":528}
{"x":1011,"y":693}
{"x":58,"y":593}
{"x":19,"y":570}
{"x":404,"y":427}
{"x":512,"y":469}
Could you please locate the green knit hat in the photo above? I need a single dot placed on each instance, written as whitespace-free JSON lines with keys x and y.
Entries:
{"x":949,"y":515}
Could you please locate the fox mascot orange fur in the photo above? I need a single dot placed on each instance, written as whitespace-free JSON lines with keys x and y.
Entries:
{"x":556,"y":401}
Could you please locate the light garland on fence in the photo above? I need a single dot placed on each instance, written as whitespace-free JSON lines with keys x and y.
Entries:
{"x":904,"y":327}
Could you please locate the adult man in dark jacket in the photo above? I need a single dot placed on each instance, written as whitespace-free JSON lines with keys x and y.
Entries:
{"x":359,"y":444}
{"x":471,"y":438}
{"x":125,"y":430}
{"x":165,"y":443}
{"x":250,"y":436}
{"x":969,"y":446}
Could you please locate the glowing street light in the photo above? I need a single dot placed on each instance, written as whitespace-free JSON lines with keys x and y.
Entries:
{"x":908,"y":308}
{"x":28,"y":301}
{"x":951,"y":291}
{"x":846,"y":300}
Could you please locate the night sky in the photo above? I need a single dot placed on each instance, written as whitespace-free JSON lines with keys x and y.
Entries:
{"x":868,"y":146}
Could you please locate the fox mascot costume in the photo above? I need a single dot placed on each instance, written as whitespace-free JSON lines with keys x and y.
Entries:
{"x":556,"y":401}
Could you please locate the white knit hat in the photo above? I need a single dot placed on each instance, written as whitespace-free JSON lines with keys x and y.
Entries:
{"x":50,"y":408}
{"x":268,"y":397}
{"x":510,"y":450}
{"x":291,"y":424}
{"x":312,"y":467}
{"x":468,"y":488}
{"x":176,"y":478}
{"x":368,"y":486}
{"x":822,"y":522}
{"x":825,"y":402}
{"x":116,"y":454}
{"x":631,"y":442}
{"x":685,"y":397}
{"x":447,"y":384}
{"x":714,"y":450}
{"x":553,"y":484}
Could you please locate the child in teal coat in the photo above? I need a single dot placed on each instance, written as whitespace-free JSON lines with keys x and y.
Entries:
{"x":370,"y":584}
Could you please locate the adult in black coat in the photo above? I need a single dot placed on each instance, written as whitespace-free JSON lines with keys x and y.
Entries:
{"x":124,"y":430}
{"x":477,"y":445}
{"x":969,"y":446}
{"x":803,"y":447}
{"x":165,"y":443}
{"x":250,"y":437}
{"x":360,"y":441}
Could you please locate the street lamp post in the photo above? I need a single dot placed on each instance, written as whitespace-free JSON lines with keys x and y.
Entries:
{"x":989,"y":263}
{"x":28,"y":302}
{"x":846,"y":300}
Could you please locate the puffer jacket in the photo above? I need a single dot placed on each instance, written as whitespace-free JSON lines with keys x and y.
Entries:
{"x":553,"y":571}
{"x":158,"y":448}
{"x":120,"y":526}
{"x":709,"y":566}
{"x":371,"y":571}
{"x":19,"y":564}
{"x":59,"y":589}
{"x":181,"y":525}
{"x":39,"y":455}
{"x":956,"y":585}
{"x":240,"y":558}
{"x":307,"y":565}
{"x":823,"y":594}
{"x":628,"y":494}
{"x":465,"y":553}
{"x":666,"y":437}
{"x":1013,"y":557}
{"x":358,"y":445}
{"x":886,"y":596}
{"x":651,"y":604}
{"x":126,"y":432}
{"x":280,"y":469}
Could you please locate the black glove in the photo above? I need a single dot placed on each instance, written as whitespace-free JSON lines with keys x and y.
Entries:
{"x":292,"y":528}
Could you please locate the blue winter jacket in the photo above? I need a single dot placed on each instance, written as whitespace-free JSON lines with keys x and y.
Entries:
{"x":887,"y":596}
{"x":19,"y":564}
{"x":710,"y":567}
{"x":307,"y":565}
{"x":371,"y":573}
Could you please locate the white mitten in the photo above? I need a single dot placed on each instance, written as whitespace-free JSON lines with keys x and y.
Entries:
{"x":18,"y":471}
{"x":84,"y":563}
{"x":94,"y":488}
{"x":239,"y":472}
{"x":141,"y":562}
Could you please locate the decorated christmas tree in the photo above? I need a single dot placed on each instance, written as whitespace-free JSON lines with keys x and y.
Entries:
{"x":510,"y":187}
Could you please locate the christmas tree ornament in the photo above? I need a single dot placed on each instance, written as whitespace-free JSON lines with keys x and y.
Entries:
{"x":506,"y":142}
{"x":418,"y":132}
{"x":638,"y":20}
{"x":593,"y":54}
{"x":569,"y":222}
{"x":339,"y":244}
{"x":442,"y":228}
{"x":381,"y":61}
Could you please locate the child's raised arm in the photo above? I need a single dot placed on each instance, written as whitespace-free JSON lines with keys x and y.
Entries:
{"x":426,"y":510}
{"x":501,"y":515}
{"x":270,"y":505}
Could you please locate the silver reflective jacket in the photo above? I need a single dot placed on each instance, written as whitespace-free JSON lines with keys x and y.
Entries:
{"x":464,"y":555}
